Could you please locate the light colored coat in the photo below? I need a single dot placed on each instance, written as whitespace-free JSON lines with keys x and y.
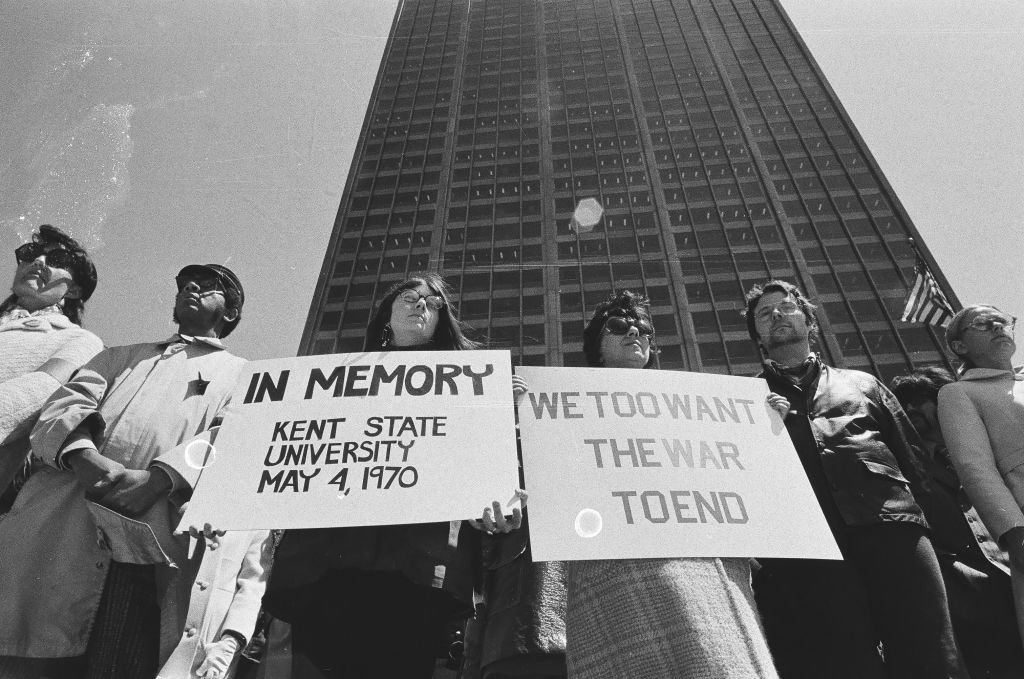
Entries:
{"x":32,"y":346}
{"x":225,"y":596}
{"x":982,"y":420}
{"x":145,"y":403}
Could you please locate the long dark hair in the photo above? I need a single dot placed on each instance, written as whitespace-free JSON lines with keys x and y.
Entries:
{"x":449,"y":333}
{"x":83,"y":273}
{"x":626,"y":304}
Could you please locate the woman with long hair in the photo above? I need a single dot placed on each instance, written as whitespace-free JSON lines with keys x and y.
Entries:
{"x":982,"y":421}
{"x":376,"y":601}
{"x":679,"y":618}
{"x":41,"y":341}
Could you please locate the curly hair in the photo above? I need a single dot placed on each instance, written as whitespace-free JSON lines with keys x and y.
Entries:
{"x":787,"y":288}
{"x":626,"y":304}
{"x":83,"y":272}
{"x":449,"y":333}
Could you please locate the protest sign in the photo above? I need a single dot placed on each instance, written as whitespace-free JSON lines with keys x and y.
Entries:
{"x":647,"y":464}
{"x":358,"y":440}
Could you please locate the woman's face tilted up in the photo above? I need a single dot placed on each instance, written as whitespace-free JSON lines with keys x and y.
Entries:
{"x":625,"y":342}
{"x":414,"y":316}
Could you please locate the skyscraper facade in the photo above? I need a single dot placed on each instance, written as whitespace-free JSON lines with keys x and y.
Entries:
{"x":712,"y":140}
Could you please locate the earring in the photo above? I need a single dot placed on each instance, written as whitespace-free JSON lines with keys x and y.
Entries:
{"x":385,"y":336}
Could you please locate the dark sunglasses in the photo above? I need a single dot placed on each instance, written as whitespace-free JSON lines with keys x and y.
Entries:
{"x":204,"y":284}
{"x":56,"y":257}
{"x":617,"y":325}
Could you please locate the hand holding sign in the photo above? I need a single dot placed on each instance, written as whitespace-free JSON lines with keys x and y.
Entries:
{"x":687,"y":464}
{"x":360,"y":440}
{"x":493,"y":521}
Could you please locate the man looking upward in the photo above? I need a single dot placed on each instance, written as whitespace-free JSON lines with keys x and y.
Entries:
{"x":822,"y":618}
{"x":117,"y":434}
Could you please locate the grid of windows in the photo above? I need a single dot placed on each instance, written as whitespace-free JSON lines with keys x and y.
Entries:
{"x":716,"y":148}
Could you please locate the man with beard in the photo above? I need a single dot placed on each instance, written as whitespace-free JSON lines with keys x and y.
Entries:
{"x":94,"y":582}
{"x":828,"y":618}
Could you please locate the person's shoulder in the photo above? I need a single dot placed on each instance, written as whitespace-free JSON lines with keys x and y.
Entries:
{"x":232,"y":359}
{"x":76,"y":333}
{"x":852,"y":374}
{"x":952,"y":388}
{"x":223,"y":359}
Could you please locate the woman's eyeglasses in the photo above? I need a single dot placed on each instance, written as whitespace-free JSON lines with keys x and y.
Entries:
{"x":56,"y":257}
{"x":617,"y":325}
{"x":411,"y":297}
{"x":988,"y":323}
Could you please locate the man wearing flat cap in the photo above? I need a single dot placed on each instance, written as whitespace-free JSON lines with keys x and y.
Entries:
{"x":94,"y":582}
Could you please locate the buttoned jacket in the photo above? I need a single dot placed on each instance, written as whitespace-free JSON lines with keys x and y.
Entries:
{"x":144,"y":404}
{"x":982,"y":420}
{"x":958,"y":533}
{"x":226,"y":595}
{"x":855,"y":427}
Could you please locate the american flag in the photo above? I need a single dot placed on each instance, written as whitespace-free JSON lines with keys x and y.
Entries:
{"x":926,"y":303}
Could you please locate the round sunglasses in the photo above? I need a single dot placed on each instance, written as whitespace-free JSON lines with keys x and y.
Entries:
{"x":56,"y":257}
{"x":617,"y":325}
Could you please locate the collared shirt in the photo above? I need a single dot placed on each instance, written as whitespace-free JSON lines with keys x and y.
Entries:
{"x":17,"y":312}
{"x":214,"y":342}
{"x":140,"y":401}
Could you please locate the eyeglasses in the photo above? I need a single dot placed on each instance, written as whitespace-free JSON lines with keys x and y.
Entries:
{"x":617,"y":325}
{"x":204,"y":284}
{"x":412,"y":298}
{"x":988,"y":323}
{"x":56,"y":257}
{"x":784,"y":308}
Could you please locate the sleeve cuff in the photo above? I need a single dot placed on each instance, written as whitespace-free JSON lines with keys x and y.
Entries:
{"x":239,"y":637}
{"x":72,"y":447}
{"x":178,"y":482}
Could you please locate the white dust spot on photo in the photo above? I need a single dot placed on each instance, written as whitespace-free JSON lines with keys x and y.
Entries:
{"x":200,"y":454}
{"x":588,"y":523}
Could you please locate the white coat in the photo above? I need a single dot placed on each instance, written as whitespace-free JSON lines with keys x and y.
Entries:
{"x":226,"y":595}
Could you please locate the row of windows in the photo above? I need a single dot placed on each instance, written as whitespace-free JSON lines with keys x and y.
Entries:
{"x":800,"y":169}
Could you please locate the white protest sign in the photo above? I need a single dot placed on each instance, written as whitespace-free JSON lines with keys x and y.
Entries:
{"x":650,"y":464}
{"x":361,"y":439}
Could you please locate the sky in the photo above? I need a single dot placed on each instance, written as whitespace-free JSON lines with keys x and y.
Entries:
{"x":166,"y":133}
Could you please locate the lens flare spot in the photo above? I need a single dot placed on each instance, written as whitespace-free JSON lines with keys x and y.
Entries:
{"x":200,"y":454}
{"x":588,"y":523}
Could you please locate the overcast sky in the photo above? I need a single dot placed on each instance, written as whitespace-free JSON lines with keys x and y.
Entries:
{"x":169,"y":133}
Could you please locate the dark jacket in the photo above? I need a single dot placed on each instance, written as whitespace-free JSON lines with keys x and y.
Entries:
{"x":957,"y":530}
{"x":444,"y":556}
{"x":441,"y":556}
{"x":854,"y":441}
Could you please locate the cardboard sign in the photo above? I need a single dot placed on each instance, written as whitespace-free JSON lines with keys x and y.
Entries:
{"x":647,"y":464}
{"x":360,"y":440}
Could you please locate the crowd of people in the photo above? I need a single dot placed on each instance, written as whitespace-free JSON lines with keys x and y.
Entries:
{"x":922,"y":487}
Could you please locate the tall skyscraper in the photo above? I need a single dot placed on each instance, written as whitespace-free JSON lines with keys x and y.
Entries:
{"x":718,"y":150}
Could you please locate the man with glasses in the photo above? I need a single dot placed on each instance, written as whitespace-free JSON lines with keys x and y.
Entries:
{"x":86,"y":566}
{"x":982,"y":418}
{"x":41,"y":341}
{"x":826,"y":618}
